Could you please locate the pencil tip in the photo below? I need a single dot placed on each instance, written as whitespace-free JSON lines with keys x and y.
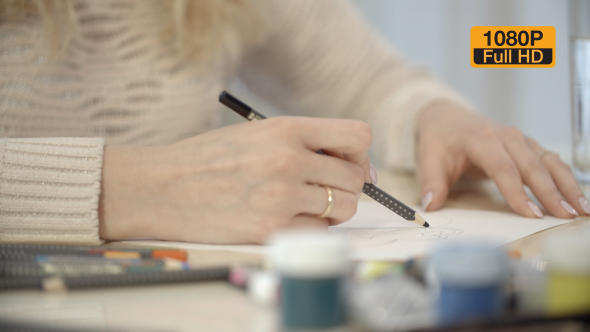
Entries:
{"x":426,"y":224}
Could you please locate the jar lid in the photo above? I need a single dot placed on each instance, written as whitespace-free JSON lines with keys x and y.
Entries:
{"x":568,"y":253}
{"x":309,"y":254}
{"x":469,"y":264}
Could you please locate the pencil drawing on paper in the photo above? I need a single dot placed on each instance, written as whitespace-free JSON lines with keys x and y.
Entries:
{"x":378,"y":236}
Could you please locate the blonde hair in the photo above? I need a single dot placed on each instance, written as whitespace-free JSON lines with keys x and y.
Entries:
{"x":198,"y":29}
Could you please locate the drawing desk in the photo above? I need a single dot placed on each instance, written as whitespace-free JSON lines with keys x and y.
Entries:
{"x":217,"y":306}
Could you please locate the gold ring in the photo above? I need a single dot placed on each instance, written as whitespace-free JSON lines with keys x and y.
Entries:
{"x":543,"y":153}
{"x":330,"y":203}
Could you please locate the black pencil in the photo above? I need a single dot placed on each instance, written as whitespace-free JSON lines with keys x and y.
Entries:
{"x":22,"y":251}
{"x":55,"y":283}
{"x":369,"y":189}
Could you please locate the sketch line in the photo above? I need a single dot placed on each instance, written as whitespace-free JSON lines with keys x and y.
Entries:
{"x":382,"y":236}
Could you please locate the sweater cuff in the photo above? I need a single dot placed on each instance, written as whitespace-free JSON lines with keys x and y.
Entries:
{"x":394,"y":122}
{"x":49,"y":189}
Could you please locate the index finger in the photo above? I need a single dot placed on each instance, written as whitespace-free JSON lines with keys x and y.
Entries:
{"x":493,"y":159}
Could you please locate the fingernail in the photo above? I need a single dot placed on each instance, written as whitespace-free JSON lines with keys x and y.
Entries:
{"x":535,"y":209}
{"x":569,"y":208}
{"x":426,"y":200}
{"x":373,"y":174}
{"x":584,"y":204}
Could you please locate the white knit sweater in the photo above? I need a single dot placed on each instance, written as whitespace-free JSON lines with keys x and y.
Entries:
{"x":116,"y":84}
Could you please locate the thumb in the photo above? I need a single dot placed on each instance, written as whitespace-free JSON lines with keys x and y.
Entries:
{"x":434,"y":177}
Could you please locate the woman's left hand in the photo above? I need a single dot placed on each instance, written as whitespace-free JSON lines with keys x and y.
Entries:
{"x":453,"y":142}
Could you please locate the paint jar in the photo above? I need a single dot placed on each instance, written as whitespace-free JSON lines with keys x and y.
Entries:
{"x":312,"y":267}
{"x":568,"y":275}
{"x":528,"y":284}
{"x":470,"y":279}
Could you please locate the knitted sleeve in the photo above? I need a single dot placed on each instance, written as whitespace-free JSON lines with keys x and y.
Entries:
{"x":323,"y":60}
{"x":49,"y":189}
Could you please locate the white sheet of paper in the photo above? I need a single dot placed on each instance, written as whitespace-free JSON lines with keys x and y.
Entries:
{"x":376,"y":233}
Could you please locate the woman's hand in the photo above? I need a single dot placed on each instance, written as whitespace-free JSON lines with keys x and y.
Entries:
{"x":453,"y":142}
{"x":236,"y":184}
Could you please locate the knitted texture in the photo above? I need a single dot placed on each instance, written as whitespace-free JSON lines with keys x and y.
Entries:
{"x":116,"y":80}
{"x":49,"y":189}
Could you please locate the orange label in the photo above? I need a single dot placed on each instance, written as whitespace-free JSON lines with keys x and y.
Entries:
{"x":513,"y":47}
{"x":121,"y":255}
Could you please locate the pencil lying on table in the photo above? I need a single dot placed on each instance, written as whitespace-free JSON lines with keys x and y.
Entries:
{"x":369,"y":189}
{"x":59,"y":283}
{"x":18,"y":251}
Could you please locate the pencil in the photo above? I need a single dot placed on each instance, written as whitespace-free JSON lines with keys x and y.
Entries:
{"x":369,"y":189}
{"x":17,"y":251}
{"x":56,"y":283}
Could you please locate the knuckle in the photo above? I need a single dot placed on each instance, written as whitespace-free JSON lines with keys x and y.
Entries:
{"x":278,"y":121}
{"x":505,"y":168}
{"x":513,"y":134}
{"x":488,"y":132}
{"x":358,"y":177}
{"x":284,"y":160}
{"x":363,"y":131}
{"x":271,"y":197}
{"x":279,"y":190}
{"x":530,"y":141}
{"x":535,"y":166}
{"x":283,"y":124}
{"x":349,"y":206}
{"x":563,"y":167}
{"x":353,"y":208}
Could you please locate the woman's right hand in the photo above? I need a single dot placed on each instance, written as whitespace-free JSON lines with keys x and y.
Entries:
{"x":236,"y":184}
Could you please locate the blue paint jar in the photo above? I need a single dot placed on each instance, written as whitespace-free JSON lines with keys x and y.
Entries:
{"x":312,"y":267}
{"x":470,"y":279}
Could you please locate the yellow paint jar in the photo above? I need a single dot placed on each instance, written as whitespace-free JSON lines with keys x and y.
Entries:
{"x":568,"y":275}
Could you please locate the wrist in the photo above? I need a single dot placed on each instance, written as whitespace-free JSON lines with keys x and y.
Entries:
{"x":120,"y":173}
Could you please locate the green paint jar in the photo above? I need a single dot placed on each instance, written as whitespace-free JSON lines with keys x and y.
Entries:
{"x":312,"y":267}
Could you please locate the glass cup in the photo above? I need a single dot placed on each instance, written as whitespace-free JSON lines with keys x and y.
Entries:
{"x":580,"y":67}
